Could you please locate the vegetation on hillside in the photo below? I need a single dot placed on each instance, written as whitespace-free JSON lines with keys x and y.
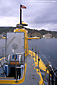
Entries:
{"x":40,"y":33}
{"x":31,"y":32}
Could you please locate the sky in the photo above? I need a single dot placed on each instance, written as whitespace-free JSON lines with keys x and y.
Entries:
{"x":39,"y":14}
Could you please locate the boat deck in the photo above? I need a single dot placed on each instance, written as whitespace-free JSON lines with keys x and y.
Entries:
{"x":31,"y":77}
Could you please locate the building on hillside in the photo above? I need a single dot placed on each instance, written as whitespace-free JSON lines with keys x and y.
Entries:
{"x":1,"y":36}
{"x":48,"y":35}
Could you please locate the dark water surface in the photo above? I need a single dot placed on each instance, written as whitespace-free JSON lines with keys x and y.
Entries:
{"x":47,"y":48}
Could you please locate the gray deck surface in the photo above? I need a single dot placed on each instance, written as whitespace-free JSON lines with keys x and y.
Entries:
{"x":30,"y":71}
{"x":31,"y":78}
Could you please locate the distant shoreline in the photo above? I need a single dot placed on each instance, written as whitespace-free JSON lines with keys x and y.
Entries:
{"x":31,"y":32}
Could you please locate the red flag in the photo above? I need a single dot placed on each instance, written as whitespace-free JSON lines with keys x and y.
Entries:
{"x":22,"y":6}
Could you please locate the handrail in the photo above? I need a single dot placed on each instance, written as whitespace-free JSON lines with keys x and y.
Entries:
{"x":52,"y":76}
{"x":20,"y":53}
{"x":46,"y":72}
{"x":20,"y":67}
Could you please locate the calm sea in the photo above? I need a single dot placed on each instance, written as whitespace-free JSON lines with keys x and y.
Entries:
{"x":47,"y":50}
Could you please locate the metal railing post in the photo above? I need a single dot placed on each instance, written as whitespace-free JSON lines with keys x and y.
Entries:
{"x":5,"y":44}
{"x":52,"y":79}
{"x":38,"y":60}
{"x":2,"y":51}
{"x":15,"y":68}
{"x":24,"y":57}
{"x":35,"y":54}
{"x":46,"y":72}
{"x":32,"y":50}
{"x":49,"y":79}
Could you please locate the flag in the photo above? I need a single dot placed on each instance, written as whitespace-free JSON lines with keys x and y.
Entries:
{"x":22,"y":6}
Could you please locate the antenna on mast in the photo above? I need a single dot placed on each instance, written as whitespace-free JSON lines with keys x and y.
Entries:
{"x":20,"y":25}
{"x":20,"y":15}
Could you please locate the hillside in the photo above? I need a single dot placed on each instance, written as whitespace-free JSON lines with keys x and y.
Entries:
{"x":40,"y":33}
{"x":31,"y":32}
{"x":6,"y":29}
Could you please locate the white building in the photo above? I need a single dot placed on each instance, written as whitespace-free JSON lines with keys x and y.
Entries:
{"x":1,"y":36}
{"x":48,"y":35}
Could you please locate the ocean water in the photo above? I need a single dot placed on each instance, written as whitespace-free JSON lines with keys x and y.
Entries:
{"x":47,"y":49}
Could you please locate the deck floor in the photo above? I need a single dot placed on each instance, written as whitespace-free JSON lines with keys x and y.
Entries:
{"x":31,"y":78}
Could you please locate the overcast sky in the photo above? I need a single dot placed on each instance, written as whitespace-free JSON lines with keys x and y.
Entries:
{"x":40,"y":14}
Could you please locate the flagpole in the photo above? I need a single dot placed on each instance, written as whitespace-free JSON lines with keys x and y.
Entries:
{"x":20,"y":15}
